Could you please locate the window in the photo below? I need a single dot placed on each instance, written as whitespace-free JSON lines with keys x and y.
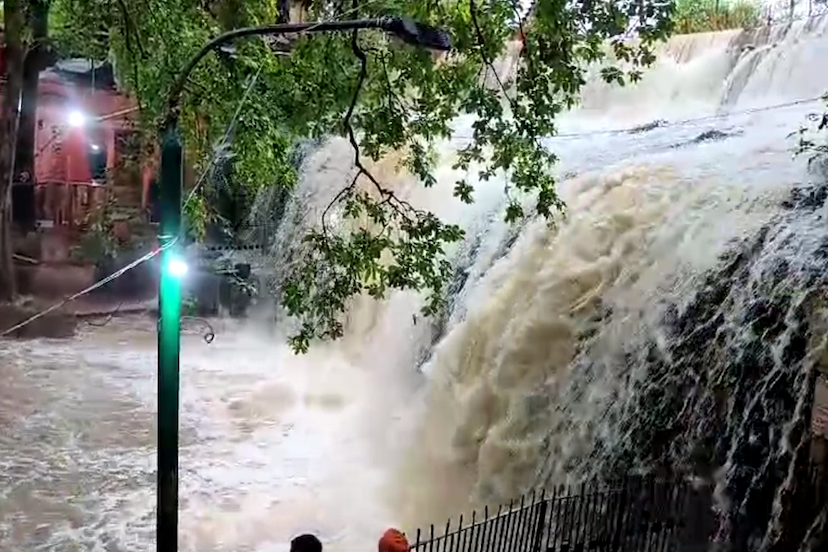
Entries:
{"x":96,"y":154}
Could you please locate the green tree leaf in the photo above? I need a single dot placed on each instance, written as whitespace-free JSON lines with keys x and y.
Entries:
{"x":385,"y":96}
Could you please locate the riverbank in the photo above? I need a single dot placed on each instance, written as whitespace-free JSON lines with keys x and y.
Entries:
{"x":62,"y":323}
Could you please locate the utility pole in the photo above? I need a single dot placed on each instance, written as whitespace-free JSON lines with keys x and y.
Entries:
{"x":173,"y":268}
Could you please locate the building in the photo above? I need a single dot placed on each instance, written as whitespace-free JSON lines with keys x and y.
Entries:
{"x":86,"y":155}
{"x":83,"y":132}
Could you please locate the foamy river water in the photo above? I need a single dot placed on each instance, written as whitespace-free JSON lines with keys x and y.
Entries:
{"x":271,"y":445}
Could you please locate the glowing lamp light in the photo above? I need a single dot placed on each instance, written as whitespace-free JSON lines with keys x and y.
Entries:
{"x":76,"y":118}
{"x":177,"y":267}
{"x":172,"y":268}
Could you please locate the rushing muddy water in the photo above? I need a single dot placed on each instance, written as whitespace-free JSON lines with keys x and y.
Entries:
{"x":568,"y":352}
{"x":271,"y":445}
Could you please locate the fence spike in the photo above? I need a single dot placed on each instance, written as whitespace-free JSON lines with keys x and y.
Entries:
{"x":471,"y":529}
{"x":548,"y":511}
{"x":506,"y":525}
{"x":581,"y":517}
{"x":646,"y":515}
{"x":485,"y":528}
{"x":519,"y":534}
{"x":598,"y":530}
{"x":460,"y":534}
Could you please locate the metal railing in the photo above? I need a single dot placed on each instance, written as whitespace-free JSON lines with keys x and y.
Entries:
{"x":640,"y":514}
{"x":62,"y":203}
{"x":249,"y":237}
{"x":637,"y":514}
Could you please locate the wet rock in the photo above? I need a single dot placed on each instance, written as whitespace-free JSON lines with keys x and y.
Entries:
{"x":723,"y":382}
{"x":648,"y":126}
{"x":808,"y":198}
{"x":711,"y":135}
{"x":708,"y":136}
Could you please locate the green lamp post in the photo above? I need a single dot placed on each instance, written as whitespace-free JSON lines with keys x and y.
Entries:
{"x":169,"y":339}
{"x":173,"y":266}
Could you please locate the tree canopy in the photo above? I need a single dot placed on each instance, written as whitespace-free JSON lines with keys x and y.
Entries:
{"x":699,"y":16}
{"x":383,"y":96}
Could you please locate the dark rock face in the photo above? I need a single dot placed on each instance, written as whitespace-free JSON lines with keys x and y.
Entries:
{"x":726,"y":384}
{"x":717,"y":386}
{"x":231,"y":291}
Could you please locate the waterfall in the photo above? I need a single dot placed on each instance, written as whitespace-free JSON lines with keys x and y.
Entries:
{"x":673,"y":320}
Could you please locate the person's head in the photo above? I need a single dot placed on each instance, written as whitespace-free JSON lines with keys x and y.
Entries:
{"x":305,"y":543}
{"x":393,"y":541}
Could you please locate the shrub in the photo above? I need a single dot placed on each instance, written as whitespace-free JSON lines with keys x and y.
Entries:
{"x":699,"y":16}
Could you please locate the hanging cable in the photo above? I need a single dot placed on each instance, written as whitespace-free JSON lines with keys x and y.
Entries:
{"x":150,"y":255}
{"x":153,"y":253}
{"x":217,"y":149}
{"x":673,"y":124}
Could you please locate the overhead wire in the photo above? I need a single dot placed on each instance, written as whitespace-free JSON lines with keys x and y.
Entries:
{"x":689,"y":121}
{"x":107,"y":317}
{"x":89,"y":289}
{"x":117,"y":274}
{"x":210,"y":334}
{"x":216,"y":151}
{"x":692,"y":120}
{"x":231,"y":126}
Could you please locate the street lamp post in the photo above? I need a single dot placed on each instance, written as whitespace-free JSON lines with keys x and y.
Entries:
{"x":172,"y":267}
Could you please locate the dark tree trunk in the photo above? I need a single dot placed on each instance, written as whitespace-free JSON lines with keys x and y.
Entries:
{"x":36,"y":60}
{"x":284,"y":11}
{"x":14,"y":23}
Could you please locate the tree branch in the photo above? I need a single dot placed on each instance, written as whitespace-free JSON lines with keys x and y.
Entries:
{"x":401,"y":207}
{"x":131,"y":29}
{"x":393,"y":99}
{"x":488,"y":62}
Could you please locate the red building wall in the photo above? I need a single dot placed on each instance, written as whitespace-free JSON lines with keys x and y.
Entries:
{"x":66,"y":191}
{"x":62,"y":148}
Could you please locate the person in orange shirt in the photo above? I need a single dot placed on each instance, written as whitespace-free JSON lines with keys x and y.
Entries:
{"x":393,"y":541}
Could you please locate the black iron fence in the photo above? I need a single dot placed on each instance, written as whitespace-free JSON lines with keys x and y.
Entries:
{"x":640,"y":514}
{"x":248,"y":237}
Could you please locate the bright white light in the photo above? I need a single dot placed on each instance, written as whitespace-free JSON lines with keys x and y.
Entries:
{"x":177,"y":267}
{"x":95,"y":147}
{"x":76,"y":119}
